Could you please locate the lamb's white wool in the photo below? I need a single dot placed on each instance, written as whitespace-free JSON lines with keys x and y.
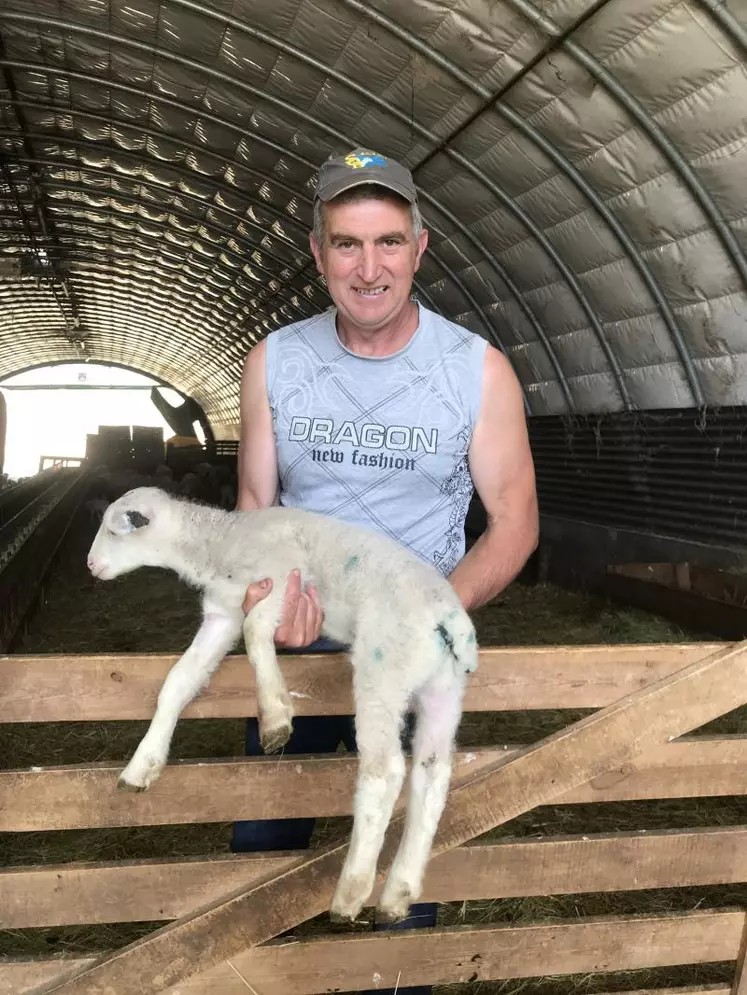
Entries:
{"x":411,"y":644}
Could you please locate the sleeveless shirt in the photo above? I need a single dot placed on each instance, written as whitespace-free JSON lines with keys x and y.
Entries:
{"x":379,"y":441}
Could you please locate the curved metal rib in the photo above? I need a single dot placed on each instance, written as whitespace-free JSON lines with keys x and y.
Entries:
{"x":281,"y":150}
{"x":288,"y":108}
{"x":567,"y":168}
{"x":570,"y":277}
{"x":726,"y":21}
{"x":211,"y":313}
{"x":51,"y":137}
{"x":87,"y":78}
{"x":139,"y":242}
{"x":202,"y":203}
{"x":506,"y":200}
{"x":66,"y":164}
{"x":145,"y":312}
{"x":163,"y":188}
{"x":656,"y":134}
{"x":160,"y":381}
{"x":484,"y":320}
{"x":95,"y":225}
{"x":188,"y":174}
{"x":121,"y":215}
{"x":516,"y":293}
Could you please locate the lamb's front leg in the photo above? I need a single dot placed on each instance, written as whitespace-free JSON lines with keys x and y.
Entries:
{"x":274,"y":706}
{"x":215,"y":638}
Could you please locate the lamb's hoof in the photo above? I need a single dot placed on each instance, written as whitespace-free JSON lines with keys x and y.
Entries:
{"x":394,"y":907}
{"x":340,"y":913}
{"x":391,"y":915}
{"x":123,"y":785}
{"x":275,"y":739}
{"x":350,"y":897}
{"x":140,"y":773}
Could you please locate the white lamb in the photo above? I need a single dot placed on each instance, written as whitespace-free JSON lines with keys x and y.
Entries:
{"x":411,"y":643}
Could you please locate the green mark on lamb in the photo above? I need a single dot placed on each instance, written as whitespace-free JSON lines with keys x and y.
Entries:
{"x":446,"y":639}
{"x":471,"y":637}
{"x":378,"y":655}
{"x":351,"y":563}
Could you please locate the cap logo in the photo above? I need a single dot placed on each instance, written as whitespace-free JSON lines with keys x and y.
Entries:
{"x":365,"y":159}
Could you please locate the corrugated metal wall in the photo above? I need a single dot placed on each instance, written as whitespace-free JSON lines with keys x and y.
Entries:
{"x":681,"y":473}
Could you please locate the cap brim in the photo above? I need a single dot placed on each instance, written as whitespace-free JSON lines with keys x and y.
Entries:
{"x":334,"y":189}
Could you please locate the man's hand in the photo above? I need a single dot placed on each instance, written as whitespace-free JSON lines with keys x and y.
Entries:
{"x":302,"y":619}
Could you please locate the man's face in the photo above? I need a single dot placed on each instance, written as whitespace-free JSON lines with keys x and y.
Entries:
{"x":369,"y":258}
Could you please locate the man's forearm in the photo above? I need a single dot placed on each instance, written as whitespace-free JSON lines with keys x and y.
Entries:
{"x":246,"y":500}
{"x":493,"y":562}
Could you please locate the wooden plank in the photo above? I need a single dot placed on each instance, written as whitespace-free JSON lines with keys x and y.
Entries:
{"x":85,"y":796}
{"x":17,"y":977}
{"x":446,"y":956}
{"x":720,"y":584}
{"x":740,"y":975}
{"x":608,"y":739}
{"x":148,"y":890}
{"x":54,"y":688}
{"x":689,"y":608}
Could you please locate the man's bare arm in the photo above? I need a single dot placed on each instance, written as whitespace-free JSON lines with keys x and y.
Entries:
{"x":257,"y":458}
{"x":503,"y":472}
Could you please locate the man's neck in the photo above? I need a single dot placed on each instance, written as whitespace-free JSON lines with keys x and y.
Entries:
{"x":383,"y":341}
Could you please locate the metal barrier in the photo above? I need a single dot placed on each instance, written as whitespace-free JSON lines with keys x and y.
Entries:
{"x":15,"y":497}
{"x":34,"y":520}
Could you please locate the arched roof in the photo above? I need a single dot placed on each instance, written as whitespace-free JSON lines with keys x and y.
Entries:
{"x":582,"y":168}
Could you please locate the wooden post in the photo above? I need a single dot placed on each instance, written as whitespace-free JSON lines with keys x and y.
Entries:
{"x":611,"y":737}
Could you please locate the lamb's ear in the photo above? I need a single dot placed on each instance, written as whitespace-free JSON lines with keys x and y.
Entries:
{"x":125,"y":522}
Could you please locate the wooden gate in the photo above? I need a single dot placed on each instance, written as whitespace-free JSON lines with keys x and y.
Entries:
{"x":221,"y":913}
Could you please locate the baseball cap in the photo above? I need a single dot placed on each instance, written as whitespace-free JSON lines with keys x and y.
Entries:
{"x":361,"y":166}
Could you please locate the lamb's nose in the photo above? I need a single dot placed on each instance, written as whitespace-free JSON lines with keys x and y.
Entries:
{"x":89,"y":563}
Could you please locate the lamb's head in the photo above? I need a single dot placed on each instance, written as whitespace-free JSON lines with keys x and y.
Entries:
{"x":136,"y":531}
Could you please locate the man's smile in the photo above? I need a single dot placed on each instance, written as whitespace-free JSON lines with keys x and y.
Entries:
{"x":370,"y":291}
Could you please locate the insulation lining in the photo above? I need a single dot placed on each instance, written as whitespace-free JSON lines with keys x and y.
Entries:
{"x":582,"y":169}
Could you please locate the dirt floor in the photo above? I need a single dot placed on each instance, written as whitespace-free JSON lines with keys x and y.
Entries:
{"x":152,"y":611}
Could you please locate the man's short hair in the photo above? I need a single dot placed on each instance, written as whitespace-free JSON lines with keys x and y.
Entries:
{"x":366,"y":191}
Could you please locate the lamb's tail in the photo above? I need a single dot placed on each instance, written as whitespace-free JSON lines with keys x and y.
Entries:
{"x":457,"y":637}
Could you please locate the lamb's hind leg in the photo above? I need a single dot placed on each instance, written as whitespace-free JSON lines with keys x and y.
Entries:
{"x":274,"y":703}
{"x":215,"y":637}
{"x":380,"y":707}
{"x":438,"y":709}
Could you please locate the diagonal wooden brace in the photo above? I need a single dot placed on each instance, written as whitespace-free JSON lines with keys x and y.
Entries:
{"x":740,"y":977}
{"x":609,"y":738}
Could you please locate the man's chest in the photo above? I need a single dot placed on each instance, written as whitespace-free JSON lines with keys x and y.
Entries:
{"x":400,"y":410}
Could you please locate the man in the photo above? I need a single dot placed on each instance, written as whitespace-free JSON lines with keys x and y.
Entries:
{"x":382,"y":413}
